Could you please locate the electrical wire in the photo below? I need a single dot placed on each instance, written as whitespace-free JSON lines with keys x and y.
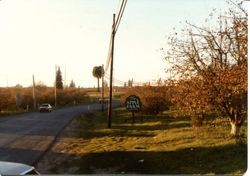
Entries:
{"x":117,"y":23}
{"x":109,"y":56}
{"x":121,"y":2}
{"x":120,"y":14}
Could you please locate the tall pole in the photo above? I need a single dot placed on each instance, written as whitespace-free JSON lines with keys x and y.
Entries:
{"x":7,"y":81}
{"x":111,"y":74}
{"x":102,"y":88}
{"x":65,"y":83}
{"x":34,"y":96}
{"x":55,"y":83}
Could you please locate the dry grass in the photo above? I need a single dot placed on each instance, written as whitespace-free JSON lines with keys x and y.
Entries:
{"x":155,"y":145}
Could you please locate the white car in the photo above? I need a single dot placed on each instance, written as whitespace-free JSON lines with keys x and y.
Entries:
{"x":11,"y":168}
{"x":45,"y":107}
{"x":105,"y":100}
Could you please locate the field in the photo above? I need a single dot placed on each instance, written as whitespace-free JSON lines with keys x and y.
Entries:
{"x":153,"y":145}
{"x":66,"y":97}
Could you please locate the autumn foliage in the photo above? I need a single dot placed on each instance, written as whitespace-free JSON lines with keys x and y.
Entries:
{"x":43,"y":94}
{"x":209,"y":67}
{"x":154,"y":99}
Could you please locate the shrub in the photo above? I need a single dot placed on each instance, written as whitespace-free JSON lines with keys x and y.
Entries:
{"x":43,"y":94}
{"x":154,"y":99}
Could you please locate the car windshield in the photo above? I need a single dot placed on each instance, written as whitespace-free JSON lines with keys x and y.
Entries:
{"x":45,"y":105}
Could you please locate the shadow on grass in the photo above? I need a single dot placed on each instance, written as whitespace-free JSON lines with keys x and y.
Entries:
{"x":118,"y":133}
{"x":227,"y":159}
{"x":156,"y":127}
{"x":127,"y":130}
{"x":154,"y":123}
{"x":92,"y":126}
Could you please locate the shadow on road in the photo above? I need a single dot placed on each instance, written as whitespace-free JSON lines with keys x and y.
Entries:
{"x":25,"y":156}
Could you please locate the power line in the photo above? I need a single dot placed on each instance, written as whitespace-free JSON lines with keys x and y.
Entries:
{"x":120,"y":14}
{"x":108,"y":58}
{"x":117,"y":23}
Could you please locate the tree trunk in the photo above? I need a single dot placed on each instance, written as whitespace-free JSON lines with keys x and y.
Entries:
{"x":236,"y":119}
{"x":98,"y":88}
{"x":235,"y":128}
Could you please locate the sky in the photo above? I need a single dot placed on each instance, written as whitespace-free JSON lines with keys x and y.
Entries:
{"x":37,"y":35}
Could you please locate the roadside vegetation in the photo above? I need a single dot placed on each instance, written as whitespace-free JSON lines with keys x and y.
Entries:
{"x":19,"y":99}
{"x":209,"y":67}
{"x":194,"y":122}
{"x":162,"y":144}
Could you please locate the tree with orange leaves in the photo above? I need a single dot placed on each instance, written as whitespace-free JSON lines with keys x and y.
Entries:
{"x":210,"y":67}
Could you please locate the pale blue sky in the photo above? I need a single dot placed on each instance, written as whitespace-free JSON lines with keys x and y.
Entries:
{"x":74,"y":34}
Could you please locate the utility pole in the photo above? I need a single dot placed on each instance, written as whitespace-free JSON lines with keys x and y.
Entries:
{"x":34,"y":96}
{"x":65,"y":83}
{"x":55,"y":83}
{"x":7,"y":81}
{"x":111,"y":74}
{"x":114,"y":29}
{"x":102,"y":88}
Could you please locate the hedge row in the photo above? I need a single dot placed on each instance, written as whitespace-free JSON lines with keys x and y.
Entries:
{"x":20,"y":98}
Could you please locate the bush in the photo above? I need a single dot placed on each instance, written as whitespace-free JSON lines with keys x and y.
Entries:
{"x":154,"y":99}
{"x":7,"y":99}
{"x":69,"y":96}
{"x":197,"y":120}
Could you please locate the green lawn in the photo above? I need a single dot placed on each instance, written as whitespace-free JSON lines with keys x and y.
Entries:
{"x":153,"y":145}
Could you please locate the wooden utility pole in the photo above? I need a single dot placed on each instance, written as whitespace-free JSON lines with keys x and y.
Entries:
{"x":102,"y":88}
{"x":55,"y":83}
{"x":111,"y":74}
{"x":34,"y":96}
{"x":7,"y":81}
{"x":65,"y":83}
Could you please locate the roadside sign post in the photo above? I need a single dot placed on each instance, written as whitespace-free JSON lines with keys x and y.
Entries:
{"x":18,"y":99}
{"x":133,"y":117}
{"x":133,"y":104}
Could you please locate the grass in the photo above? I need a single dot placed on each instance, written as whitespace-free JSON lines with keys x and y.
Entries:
{"x":5,"y":113}
{"x":153,"y":145}
{"x":95,"y":95}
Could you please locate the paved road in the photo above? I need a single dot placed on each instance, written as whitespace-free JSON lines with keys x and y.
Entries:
{"x":25,"y":137}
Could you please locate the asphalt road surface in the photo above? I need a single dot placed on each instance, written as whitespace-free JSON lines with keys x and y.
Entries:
{"x":24,"y":138}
